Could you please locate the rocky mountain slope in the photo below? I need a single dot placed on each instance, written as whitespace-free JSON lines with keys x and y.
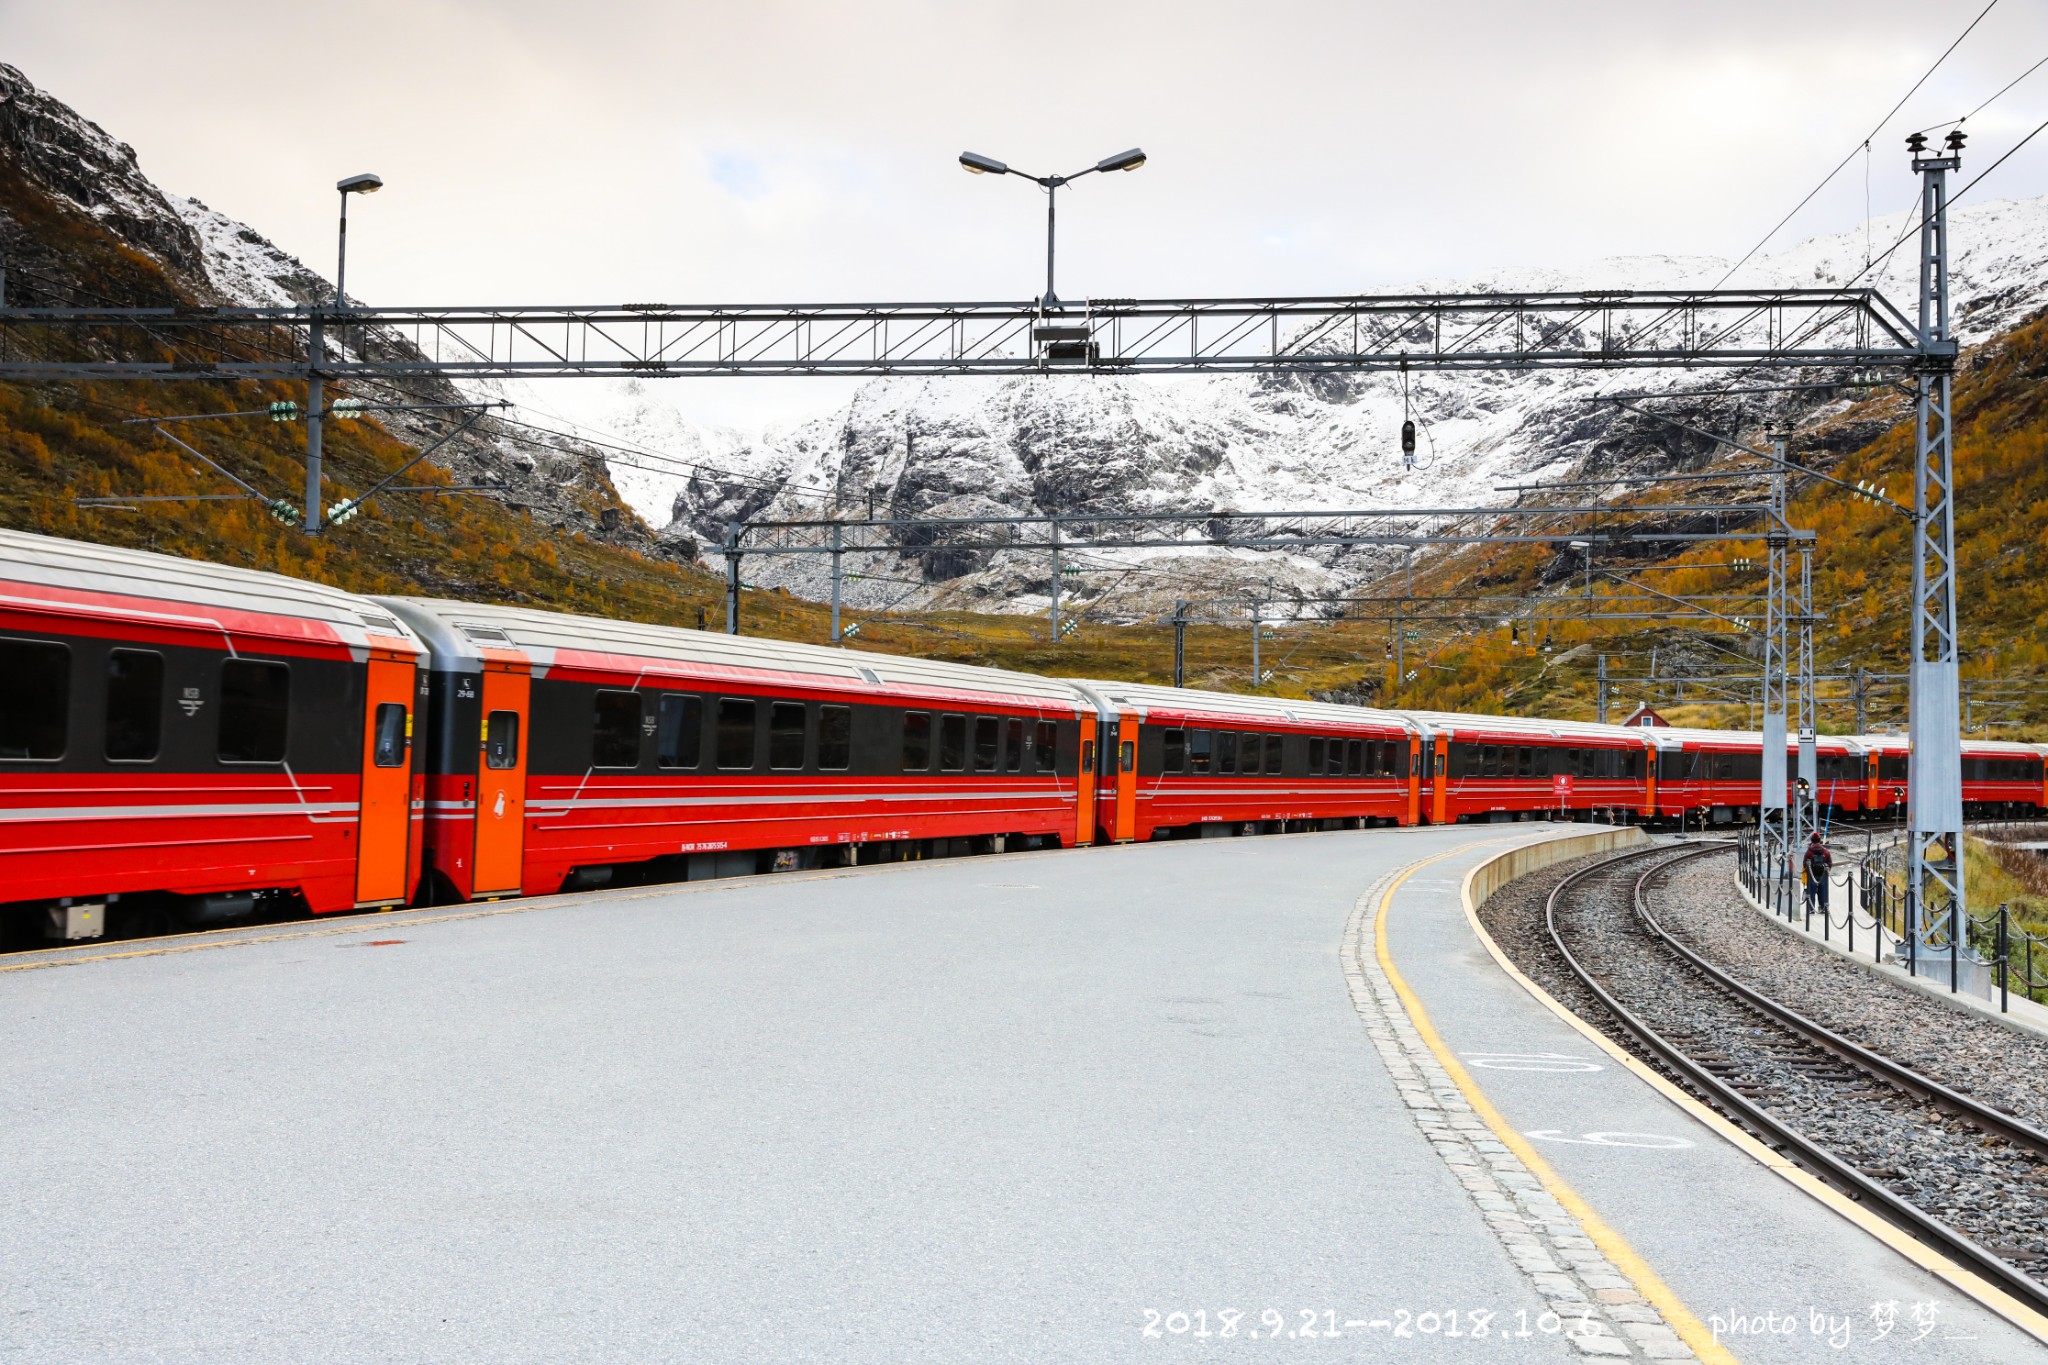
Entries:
{"x":82,"y":224}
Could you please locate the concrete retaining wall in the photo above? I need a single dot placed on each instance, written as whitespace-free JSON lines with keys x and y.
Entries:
{"x":1492,"y":875}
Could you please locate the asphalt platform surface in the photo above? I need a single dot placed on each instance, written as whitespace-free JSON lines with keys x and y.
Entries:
{"x":995,"y":1109}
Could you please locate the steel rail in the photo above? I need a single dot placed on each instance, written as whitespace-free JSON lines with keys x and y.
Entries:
{"x":1900,"y":1212}
{"x":2016,"y":1131}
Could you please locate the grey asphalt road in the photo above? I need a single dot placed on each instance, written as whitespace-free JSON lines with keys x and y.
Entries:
{"x":983,"y":1110}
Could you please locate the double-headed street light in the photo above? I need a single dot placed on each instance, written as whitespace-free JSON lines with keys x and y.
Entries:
{"x":978,"y":164}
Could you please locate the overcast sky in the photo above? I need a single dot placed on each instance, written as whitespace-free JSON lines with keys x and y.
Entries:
{"x":613,"y":152}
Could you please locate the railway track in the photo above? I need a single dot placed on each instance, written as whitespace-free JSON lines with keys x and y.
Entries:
{"x":1959,"y":1175}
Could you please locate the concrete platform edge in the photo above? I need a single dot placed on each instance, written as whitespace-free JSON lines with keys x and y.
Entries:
{"x":1537,"y":856}
{"x":2024,"y":1016}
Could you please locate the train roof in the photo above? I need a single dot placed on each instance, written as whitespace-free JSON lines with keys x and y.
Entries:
{"x":2010,"y":748}
{"x":172,"y":591}
{"x":1524,"y":726}
{"x":1677,"y":736}
{"x":460,"y":633}
{"x":1235,"y":707}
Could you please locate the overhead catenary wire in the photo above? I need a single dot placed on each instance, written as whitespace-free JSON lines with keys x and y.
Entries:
{"x":1763,"y":241}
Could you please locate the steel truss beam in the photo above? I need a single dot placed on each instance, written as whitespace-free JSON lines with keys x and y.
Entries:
{"x":1280,"y":530}
{"x":1579,"y":329}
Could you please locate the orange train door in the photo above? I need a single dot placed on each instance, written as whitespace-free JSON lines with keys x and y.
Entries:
{"x":501,"y":783}
{"x":1414,"y":781}
{"x":1440,"y":768}
{"x":1650,"y":782}
{"x":1084,"y":785}
{"x":384,"y":812}
{"x":1126,"y":769}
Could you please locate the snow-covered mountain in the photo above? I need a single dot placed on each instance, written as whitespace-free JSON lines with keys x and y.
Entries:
{"x":954,"y":447}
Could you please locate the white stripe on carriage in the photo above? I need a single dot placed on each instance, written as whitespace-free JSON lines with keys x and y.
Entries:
{"x":175,"y":812}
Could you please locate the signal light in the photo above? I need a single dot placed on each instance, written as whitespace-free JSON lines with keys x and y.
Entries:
{"x":1408,"y":440}
{"x":286,"y":411}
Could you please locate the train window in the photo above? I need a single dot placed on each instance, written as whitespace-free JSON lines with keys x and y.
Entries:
{"x":917,"y":741}
{"x":1013,"y":745}
{"x":1198,"y":751}
{"x":1635,"y":764}
{"x":678,"y":731}
{"x":255,"y":710}
{"x":835,"y":738}
{"x":786,"y":735}
{"x":987,"y":743}
{"x":952,"y":743}
{"x":1489,"y":760}
{"x":615,"y":731}
{"x":389,"y":749}
{"x":501,"y":739}
{"x":1316,"y":747}
{"x":35,"y":698}
{"x":1226,"y":752}
{"x":1249,"y":747}
{"x":735,"y":732}
{"x":1048,"y":746}
{"x":1173,"y":750}
{"x":1273,"y":753}
{"x":1126,"y":757}
{"x":1087,"y":755}
{"x":135,"y":705}
{"x":1354,"y":758}
{"x":1336,"y":764}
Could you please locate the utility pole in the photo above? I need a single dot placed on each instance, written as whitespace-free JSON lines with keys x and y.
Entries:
{"x":1255,"y":644}
{"x":1805,"y":820}
{"x":836,"y":544}
{"x":316,"y":398}
{"x":1862,"y":711}
{"x":1600,"y":705}
{"x":1180,"y":639}
{"x":1774,"y":830}
{"x":732,"y":578}
{"x":1055,"y":580}
{"x":1934,"y":786}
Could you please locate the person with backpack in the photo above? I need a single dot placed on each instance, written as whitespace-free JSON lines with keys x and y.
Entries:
{"x":1817,"y":863}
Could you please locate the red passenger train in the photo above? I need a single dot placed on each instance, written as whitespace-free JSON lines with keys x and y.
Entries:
{"x":184,"y":743}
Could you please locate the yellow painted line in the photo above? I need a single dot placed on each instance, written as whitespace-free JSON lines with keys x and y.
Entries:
{"x":1612,"y":1244}
{"x":1967,"y":1282}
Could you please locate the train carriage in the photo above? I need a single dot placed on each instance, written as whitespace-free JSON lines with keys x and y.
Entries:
{"x":1716,"y":776}
{"x":183,"y":741}
{"x":2001,"y":778}
{"x":574,"y":752}
{"x":1184,"y":761}
{"x":1885,"y":761}
{"x":1504,"y":767}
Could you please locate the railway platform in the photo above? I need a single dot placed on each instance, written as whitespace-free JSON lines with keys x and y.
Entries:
{"x":1256,"y":1099}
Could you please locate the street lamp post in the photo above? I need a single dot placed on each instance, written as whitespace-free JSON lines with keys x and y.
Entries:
{"x":316,"y":387}
{"x":978,"y":164}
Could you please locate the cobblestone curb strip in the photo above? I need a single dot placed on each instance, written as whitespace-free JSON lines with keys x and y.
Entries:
{"x":1603,"y":1311}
